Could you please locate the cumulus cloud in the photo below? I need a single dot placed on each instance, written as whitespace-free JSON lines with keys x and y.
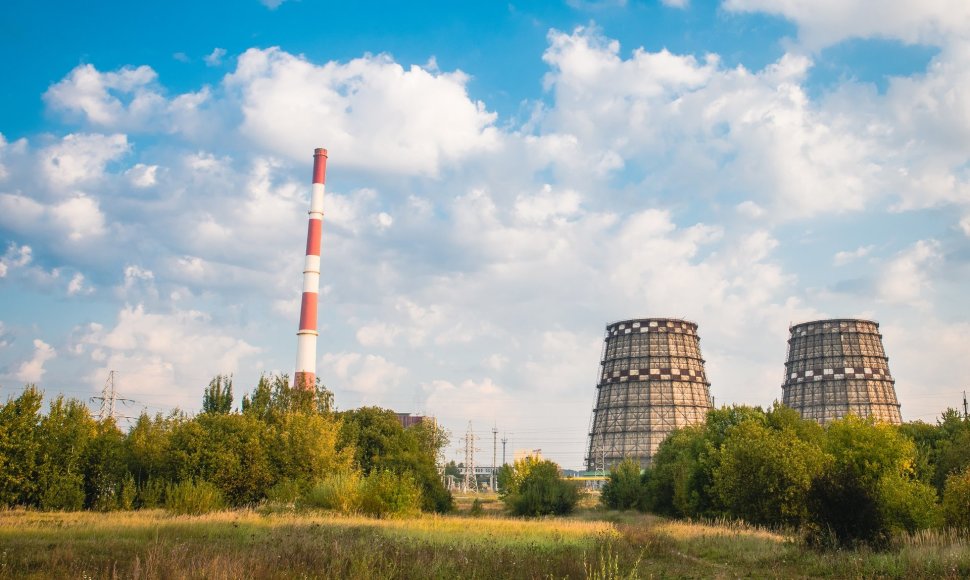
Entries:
{"x":77,"y":286}
{"x":80,"y":158}
{"x":15,"y":257}
{"x":378,"y":114}
{"x":31,"y":371}
{"x":129,"y":99}
{"x":825,"y":22}
{"x":844,"y":257}
{"x":215,"y":57}
{"x":162,"y":357}
{"x":364,"y":377}
{"x":906,"y":278}
{"x":692,"y":123}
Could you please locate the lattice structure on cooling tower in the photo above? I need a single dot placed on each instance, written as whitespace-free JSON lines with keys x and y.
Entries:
{"x":838,"y":367}
{"x":651,"y":382}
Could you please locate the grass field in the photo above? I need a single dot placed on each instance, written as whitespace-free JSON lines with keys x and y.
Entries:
{"x":286,"y":544}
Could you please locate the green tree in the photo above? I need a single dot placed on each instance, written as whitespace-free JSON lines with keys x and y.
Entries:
{"x":105,"y":467}
{"x":956,"y":500}
{"x":624,"y":488}
{"x":868,"y":488}
{"x":217,"y":398}
{"x":148,"y":448}
{"x":380,"y":442}
{"x":64,"y":436}
{"x":764,"y":475}
{"x":19,"y":446}
{"x":676,"y":484}
{"x":537,"y":489}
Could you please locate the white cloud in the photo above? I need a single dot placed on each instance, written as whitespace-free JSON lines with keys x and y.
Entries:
{"x":129,"y":99}
{"x":378,"y":114}
{"x":676,"y":3}
{"x":162,"y":358}
{"x":546,"y":205}
{"x":272,"y":4}
{"x":77,"y":286}
{"x":142,"y":175}
{"x":694,"y":125}
{"x":31,"y":371}
{"x":366,"y":376}
{"x":15,"y":257}
{"x":215,"y":57}
{"x":80,"y":158}
{"x":377,"y":334}
{"x":825,"y":22}
{"x":906,"y":278}
{"x":848,"y":256}
{"x":80,"y":217}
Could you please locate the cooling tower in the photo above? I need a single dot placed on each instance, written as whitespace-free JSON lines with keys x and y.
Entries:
{"x":838,"y":367}
{"x":651,"y":382}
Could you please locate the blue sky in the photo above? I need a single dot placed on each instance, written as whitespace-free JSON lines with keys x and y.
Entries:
{"x":504,"y":180}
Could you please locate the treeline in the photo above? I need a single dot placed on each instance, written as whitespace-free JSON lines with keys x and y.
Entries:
{"x":853,"y":481}
{"x":282,"y":444}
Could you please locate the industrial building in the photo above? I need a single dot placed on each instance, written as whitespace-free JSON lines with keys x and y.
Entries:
{"x":839,"y":367}
{"x":651,"y":382}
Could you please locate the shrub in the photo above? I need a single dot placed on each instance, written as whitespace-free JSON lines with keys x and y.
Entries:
{"x":867,"y":491}
{"x":64,"y":493}
{"x":385,"y":493}
{"x":763,"y":476}
{"x":151,"y":494}
{"x":956,"y":500}
{"x":126,"y":493}
{"x":287,"y":491}
{"x":193,"y":497}
{"x":476,"y":509}
{"x":541,"y":491}
{"x":339,"y":491}
{"x":624,"y":489}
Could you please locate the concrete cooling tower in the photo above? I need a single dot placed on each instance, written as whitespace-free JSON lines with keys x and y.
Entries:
{"x":838,"y":367}
{"x":651,"y":382}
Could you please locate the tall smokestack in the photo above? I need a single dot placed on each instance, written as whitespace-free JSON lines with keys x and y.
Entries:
{"x":306,"y":337}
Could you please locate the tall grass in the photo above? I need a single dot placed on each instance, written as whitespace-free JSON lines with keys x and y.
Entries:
{"x":244,"y":543}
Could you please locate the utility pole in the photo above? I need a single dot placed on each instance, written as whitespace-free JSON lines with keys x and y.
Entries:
{"x":494,"y":455}
{"x":964,"y":405}
{"x":504,"y":441}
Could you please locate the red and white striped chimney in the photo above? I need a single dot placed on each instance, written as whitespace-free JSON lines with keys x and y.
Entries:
{"x":306,"y":337}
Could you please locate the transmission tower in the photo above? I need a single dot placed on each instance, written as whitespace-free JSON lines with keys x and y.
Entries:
{"x":471,"y":482}
{"x":504,"y":441}
{"x":109,"y":396}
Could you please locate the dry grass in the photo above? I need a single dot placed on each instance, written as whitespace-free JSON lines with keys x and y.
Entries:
{"x":281,"y":544}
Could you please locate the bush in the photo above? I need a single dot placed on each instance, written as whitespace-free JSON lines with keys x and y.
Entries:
{"x":339,"y":491}
{"x":476,"y":509}
{"x":867,"y":491}
{"x":540,"y":491}
{"x":956,"y":500}
{"x":126,"y":493}
{"x":763,"y":476}
{"x":384,"y":493}
{"x":193,"y":498}
{"x":151,"y":494}
{"x":624,"y":489}
{"x":287,"y":491}
{"x":64,"y":493}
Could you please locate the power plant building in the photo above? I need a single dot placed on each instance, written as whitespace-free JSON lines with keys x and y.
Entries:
{"x":651,"y":382}
{"x":836,"y":368}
